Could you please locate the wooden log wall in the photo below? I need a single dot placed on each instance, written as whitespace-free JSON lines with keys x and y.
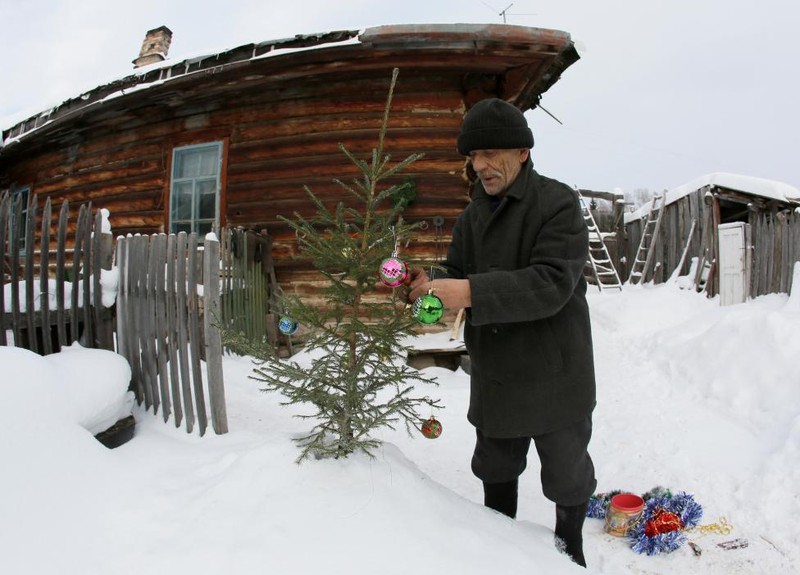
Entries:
{"x":52,"y":295}
{"x":277,"y":137}
{"x":159,"y":319}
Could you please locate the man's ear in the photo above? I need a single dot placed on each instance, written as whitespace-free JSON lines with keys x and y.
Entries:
{"x":523,"y":155}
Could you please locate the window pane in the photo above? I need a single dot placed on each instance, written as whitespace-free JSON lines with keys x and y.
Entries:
{"x":207,"y":196}
{"x":182,"y":201}
{"x":195,"y":162}
{"x":203,"y":228}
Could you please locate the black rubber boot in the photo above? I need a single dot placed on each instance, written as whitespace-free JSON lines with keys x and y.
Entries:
{"x":501,"y":497}
{"x":569,"y":530}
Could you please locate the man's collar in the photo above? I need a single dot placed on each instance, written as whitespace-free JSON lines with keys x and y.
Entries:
{"x":517,"y":188}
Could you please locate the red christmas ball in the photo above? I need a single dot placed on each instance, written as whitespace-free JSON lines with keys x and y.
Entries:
{"x":662,"y":522}
{"x":431,"y":428}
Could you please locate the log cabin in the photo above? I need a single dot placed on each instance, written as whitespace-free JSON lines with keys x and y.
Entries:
{"x":232,"y":138}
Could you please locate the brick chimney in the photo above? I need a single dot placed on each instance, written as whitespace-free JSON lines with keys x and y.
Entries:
{"x":155,"y":47}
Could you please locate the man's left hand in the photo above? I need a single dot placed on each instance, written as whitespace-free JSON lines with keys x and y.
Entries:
{"x":455,"y":294}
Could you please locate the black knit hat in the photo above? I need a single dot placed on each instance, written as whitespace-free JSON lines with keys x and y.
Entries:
{"x":494,"y":124}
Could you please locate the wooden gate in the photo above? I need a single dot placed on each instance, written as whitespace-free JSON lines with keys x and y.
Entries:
{"x":168,"y":289}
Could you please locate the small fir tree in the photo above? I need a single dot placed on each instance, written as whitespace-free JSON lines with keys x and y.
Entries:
{"x":357,"y":380}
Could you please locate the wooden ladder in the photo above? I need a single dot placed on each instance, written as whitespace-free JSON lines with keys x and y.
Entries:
{"x":643,"y":262}
{"x":599,"y":262}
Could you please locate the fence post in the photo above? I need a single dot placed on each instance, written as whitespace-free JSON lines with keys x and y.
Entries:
{"x":5,"y":208}
{"x":213,"y":338}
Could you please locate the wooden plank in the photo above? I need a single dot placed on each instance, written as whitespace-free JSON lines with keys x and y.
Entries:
{"x":182,"y":327}
{"x":132,"y":276}
{"x":194,"y":334}
{"x":171,"y":330}
{"x":5,"y":211}
{"x":679,"y":267}
{"x":777,"y":277}
{"x":149,"y":330}
{"x":102,"y":249}
{"x":213,"y":340}
{"x":30,"y":305}
{"x":16,"y":315}
{"x":159,"y":252}
{"x":142,"y":244}
{"x":76,"y":266}
{"x":97,"y":271}
{"x":123,"y":347}
{"x":86,"y":279}
{"x":61,"y":241}
{"x":44,"y":279}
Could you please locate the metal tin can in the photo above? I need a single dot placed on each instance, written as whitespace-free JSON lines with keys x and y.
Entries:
{"x":624,"y":511}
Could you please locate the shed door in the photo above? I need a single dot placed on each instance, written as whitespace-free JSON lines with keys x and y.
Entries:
{"x":734,"y":262}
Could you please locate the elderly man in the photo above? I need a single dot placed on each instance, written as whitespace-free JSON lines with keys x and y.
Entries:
{"x":516,"y":264}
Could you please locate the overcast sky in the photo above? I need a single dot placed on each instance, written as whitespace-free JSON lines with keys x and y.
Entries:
{"x":665,"y":90}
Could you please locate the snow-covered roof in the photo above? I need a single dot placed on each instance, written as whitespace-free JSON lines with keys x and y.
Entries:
{"x":746,"y":184}
{"x":551,"y":50}
{"x":163,"y":71}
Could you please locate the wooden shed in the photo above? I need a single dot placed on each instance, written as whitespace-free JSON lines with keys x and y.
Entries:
{"x":232,"y":138}
{"x":682,"y":230}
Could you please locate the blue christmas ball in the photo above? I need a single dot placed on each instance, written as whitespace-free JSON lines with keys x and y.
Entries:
{"x":287,"y":325}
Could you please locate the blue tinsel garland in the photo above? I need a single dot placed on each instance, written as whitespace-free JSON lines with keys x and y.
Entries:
{"x":683,"y":505}
{"x":657,"y":499}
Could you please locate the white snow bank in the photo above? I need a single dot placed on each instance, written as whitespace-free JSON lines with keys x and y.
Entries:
{"x":79,"y":386}
{"x":98,"y":397}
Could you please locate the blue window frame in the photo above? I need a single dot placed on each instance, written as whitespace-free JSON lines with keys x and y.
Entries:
{"x":194,"y":189}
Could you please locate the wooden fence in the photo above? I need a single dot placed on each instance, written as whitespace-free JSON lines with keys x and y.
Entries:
{"x":776,"y":247}
{"x":250,"y":291}
{"x":52,"y":294}
{"x":171,"y":298}
{"x":165,"y":328}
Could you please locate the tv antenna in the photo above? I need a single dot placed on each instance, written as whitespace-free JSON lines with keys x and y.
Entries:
{"x":504,"y":12}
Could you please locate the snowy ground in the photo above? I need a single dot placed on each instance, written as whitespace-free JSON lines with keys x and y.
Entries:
{"x":691,"y":396}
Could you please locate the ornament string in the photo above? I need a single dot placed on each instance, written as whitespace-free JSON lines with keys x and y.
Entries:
{"x":396,"y":248}
{"x":721,"y":527}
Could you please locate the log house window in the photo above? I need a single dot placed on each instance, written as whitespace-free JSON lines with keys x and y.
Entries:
{"x":24,"y":196}
{"x":194,"y":189}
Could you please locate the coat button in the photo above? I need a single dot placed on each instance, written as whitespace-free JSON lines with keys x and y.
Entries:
{"x":494,"y":330}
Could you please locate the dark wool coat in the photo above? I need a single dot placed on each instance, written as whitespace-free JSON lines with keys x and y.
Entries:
{"x":528,"y":332}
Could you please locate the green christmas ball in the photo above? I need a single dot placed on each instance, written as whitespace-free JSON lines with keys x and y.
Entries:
{"x":428,"y":309}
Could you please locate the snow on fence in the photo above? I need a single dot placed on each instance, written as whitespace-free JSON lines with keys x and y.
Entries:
{"x":52,"y":294}
{"x":169,"y":287}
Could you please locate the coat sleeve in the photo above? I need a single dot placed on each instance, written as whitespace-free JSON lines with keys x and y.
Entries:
{"x":554,"y":271}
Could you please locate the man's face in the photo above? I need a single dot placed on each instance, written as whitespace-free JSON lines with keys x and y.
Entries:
{"x":497,"y":169}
